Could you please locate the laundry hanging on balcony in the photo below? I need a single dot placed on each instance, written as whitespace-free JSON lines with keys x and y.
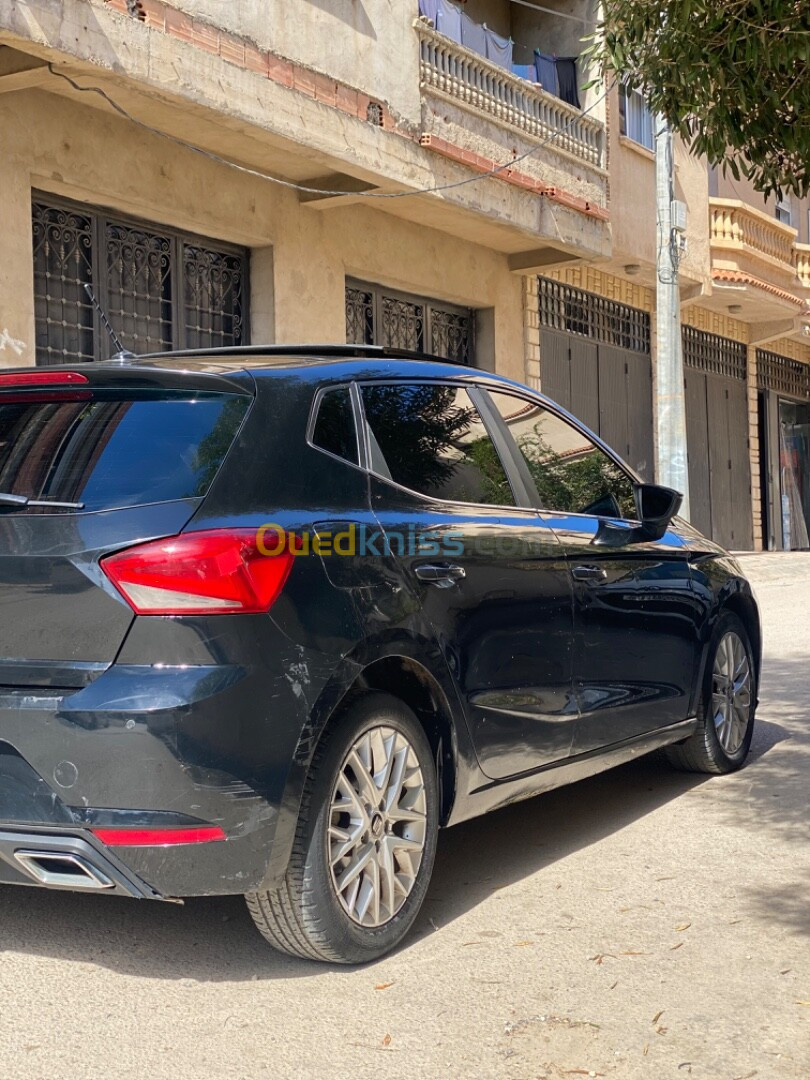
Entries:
{"x":446,"y":17}
{"x":430,"y":10}
{"x":499,"y":49}
{"x":558,"y":75}
{"x":458,"y":26}
{"x":473,"y":35}
{"x":567,"y":80}
{"x":525,"y":71}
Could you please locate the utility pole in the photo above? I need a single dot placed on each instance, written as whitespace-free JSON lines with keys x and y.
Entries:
{"x":671,"y":463}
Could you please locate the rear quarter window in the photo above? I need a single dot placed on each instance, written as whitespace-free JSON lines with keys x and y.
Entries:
{"x":111,"y":448}
{"x":334,"y":430}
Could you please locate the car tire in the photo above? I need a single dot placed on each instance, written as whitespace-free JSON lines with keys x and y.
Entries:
{"x":722,"y":739}
{"x":327,"y":909}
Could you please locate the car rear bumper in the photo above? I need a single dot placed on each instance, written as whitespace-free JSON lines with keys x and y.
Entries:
{"x":151,"y":747}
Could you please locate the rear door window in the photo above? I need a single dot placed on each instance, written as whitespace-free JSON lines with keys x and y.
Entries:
{"x":111,"y":448}
{"x":430,"y":438}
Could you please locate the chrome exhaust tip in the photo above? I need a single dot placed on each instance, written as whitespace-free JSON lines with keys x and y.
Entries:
{"x":59,"y":868}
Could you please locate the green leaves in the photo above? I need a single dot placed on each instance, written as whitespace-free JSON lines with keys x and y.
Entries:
{"x":731,"y":76}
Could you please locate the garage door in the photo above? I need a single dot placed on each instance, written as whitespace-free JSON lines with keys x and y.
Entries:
{"x":717,"y":438}
{"x":595,"y":361}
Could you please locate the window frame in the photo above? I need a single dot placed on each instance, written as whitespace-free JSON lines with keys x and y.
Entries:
{"x":625,"y":96}
{"x":312,"y":420}
{"x":99,"y":218}
{"x":519,"y":462}
{"x":522,"y":495}
{"x":431,"y":305}
{"x":784,"y":206}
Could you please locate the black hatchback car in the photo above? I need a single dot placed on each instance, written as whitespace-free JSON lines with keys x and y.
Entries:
{"x":271,"y":617}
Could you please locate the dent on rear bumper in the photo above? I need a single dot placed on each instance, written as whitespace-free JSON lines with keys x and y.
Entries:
{"x":161,"y":745}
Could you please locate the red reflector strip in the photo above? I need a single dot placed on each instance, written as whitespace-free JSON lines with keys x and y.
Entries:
{"x":158,"y":837}
{"x":43,"y":378}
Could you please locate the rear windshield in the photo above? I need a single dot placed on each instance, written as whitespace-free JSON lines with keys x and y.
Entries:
{"x":113,"y":448}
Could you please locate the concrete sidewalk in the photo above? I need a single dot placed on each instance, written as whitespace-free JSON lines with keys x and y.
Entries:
{"x":642,"y":924}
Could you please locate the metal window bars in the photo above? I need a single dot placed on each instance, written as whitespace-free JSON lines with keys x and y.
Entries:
{"x":379,"y":316}
{"x":162,"y":289}
{"x":713,"y":354}
{"x":782,"y":374}
{"x":563,"y":307}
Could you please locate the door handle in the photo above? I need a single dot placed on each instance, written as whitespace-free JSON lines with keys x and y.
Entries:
{"x":442,"y":575}
{"x":589,"y":573}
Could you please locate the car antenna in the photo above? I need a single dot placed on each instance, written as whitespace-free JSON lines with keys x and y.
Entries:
{"x":120,"y":352}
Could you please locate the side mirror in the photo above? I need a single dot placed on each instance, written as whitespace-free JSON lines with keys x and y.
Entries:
{"x":656,"y":507}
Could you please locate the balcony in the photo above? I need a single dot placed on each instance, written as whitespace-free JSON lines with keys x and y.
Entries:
{"x":758,"y":257}
{"x":456,"y":74}
{"x":801,"y":260}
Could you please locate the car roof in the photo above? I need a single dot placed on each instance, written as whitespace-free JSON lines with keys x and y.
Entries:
{"x":314,"y":363}
{"x":309,"y":362}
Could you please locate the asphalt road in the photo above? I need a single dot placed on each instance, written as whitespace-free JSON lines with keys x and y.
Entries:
{"x":643,"y":923}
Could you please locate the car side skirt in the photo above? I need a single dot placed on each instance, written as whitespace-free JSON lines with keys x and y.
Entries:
{"x":493,"y":795}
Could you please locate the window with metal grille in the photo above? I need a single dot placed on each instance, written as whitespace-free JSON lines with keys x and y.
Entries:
{"x":379,"y":316}
{"x":713,"y":354}
{"x":785,"y":376}
{"x":563,"y":307}
{"x":161,"y":289}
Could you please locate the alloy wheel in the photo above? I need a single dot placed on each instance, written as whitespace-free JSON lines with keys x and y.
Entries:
{"x":377,"y":826}
{"x":731,"y":692}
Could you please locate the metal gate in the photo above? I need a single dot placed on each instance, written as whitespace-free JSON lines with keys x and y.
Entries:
{"x":717,"y":437}
{"x":596,"y":363}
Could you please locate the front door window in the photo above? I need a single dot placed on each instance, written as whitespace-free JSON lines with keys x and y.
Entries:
{"x":571,"y":473}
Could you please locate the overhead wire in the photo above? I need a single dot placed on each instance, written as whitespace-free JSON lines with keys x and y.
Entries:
{"x":324,"y":192}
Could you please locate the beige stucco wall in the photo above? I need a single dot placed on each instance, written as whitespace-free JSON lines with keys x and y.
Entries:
{"x":300,"y":255}
{"x":633,"y":202}
{"x":691,"y":187}
{"x":632,"y":193}
{"x":542,"y":159}
{"x":370,"y":44}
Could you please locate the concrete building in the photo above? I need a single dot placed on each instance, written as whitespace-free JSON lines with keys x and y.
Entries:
{"x":323,"y":170}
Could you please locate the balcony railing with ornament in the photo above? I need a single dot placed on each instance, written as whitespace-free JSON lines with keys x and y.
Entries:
{"x":801,"y":261}
{"x":451,"y":70}
{"x":735,"y":225}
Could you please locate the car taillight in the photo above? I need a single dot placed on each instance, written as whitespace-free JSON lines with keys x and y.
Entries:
{"x":218,"y":572}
